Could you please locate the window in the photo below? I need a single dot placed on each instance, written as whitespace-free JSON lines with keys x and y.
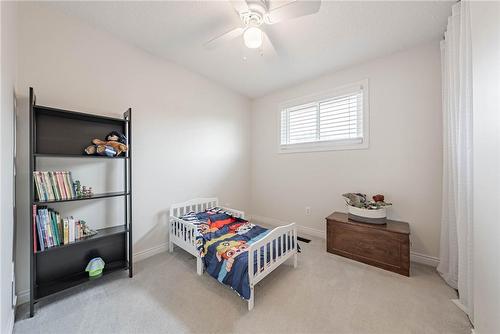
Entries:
{"x":334,"y":120}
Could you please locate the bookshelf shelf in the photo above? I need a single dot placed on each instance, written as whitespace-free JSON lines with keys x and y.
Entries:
{"x":81,"y":156}
{"x":60,"y":134}
{"x":79,"y":115}
{"x":77,"y":279}
{"x":101,"y":233}
{"x":95,"y":196}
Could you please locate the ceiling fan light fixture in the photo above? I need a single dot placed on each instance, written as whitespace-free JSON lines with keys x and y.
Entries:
{"x":252,"y":37}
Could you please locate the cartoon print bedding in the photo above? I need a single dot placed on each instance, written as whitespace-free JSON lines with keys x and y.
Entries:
{"x":223,"y":242}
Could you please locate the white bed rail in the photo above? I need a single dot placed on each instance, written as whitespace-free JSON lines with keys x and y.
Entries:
{"x":269,"y":252}
{"x":182,"y":233}
{"x":195,"y":205}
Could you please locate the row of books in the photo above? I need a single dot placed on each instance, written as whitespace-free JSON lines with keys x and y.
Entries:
{"x":52,"y":186}
{"x":51,"y":230}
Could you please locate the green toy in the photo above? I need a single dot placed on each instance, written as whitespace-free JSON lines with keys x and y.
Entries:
{"x":95,"y":267}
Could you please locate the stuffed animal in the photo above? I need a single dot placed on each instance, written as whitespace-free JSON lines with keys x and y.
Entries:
{"x":116,"y":136}
{"x":117,"y":146}
{"x":114,"y":145}
{"x":105,"y":150}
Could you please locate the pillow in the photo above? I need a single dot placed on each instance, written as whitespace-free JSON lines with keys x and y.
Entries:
{"x":218,"y":216}
{"x":221,"y":219}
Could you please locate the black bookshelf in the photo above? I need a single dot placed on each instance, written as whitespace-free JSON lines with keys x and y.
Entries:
{"x":63,"y":134}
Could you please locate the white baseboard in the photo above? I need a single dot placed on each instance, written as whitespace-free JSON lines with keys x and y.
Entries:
{"x":461,"y":306}
{"x":414,"y":256}
{"x":24,"y":296}
{"x":424,"y":259}
{"x":139,"y":256}
{"x":9,"y":328}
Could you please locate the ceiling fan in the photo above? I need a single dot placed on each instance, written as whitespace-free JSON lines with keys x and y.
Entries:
{"x":254,"y":14}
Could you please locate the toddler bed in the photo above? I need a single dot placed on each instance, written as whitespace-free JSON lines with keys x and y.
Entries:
{"x":232,"y":250}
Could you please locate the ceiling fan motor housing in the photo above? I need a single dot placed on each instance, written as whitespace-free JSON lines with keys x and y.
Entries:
{"x":255,"y":15}
{"x":252,"y":19}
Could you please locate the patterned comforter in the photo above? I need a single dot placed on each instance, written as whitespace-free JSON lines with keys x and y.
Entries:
{"x":223,"y":242}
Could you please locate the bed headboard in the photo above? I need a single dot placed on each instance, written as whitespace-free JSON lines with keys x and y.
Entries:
{"x":196,"y":205}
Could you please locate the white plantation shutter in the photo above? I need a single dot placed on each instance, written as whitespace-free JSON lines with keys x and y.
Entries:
{"x":341,"y":117}
{"x":330,"y":120}
{"x":302,"y":123}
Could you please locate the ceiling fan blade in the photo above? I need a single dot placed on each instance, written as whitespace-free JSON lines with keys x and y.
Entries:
{"x":227,"y":36}
{"x":292,"y":10}
{"x":268,"y":48}
{"x":240,"y":6}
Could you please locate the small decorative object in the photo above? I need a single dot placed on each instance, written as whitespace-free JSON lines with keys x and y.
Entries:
{"x":78,"y":188}
{"x":95,"y":267}
{"x":114,"y":145}
{"x":373,"y":212}
{"x":87,"y":231}
{"x":87,"y":191}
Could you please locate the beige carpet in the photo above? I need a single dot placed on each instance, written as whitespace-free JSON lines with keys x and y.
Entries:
{"x":325,"y":294}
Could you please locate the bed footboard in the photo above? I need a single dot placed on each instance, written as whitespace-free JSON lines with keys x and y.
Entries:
{"x":182,"y":233}
{"x":269,"y":252}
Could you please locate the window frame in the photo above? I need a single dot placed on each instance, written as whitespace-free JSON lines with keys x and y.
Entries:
{"x":329,"y":145}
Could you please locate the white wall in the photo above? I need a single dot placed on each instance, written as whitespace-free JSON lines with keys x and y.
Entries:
{"x":485,"y":25}
{"x":8,"y":71}
{"x":403,"y":161}
{"x":190,"y":136}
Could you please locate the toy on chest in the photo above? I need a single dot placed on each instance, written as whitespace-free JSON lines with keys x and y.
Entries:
{"x":114,"y":145}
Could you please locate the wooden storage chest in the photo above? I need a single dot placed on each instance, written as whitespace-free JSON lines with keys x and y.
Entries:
{"x":385,"y":246}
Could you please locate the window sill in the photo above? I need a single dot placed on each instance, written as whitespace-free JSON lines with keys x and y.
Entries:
{"x":324,"y":146}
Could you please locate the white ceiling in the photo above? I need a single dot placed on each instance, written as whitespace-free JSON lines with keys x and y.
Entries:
{"x":341,"y":34}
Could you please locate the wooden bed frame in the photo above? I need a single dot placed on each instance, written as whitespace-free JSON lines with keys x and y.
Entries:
{"x":284,"y":238}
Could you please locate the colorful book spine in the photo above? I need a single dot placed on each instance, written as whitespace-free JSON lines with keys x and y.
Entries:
{"x":66,"y":230}
{"x":53,"y":182}
{"x":60,"y":228}
{"x":67,"y":184}
{"x":43,"y":187}
{"x":45,"y":236}
{"x":38,"y":186}
{"x":41,"y":239}
{"x":60,"y":185}
{"x":54,"y":227}
{"x":48,"y":230}
{"x":71,"y":227}
{"x":46,"y":179}
{"x":34,"y":229}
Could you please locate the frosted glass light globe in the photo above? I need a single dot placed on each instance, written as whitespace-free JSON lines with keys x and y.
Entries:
{"x":252,"y":37}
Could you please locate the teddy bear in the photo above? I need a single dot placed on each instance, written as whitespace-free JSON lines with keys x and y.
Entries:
{"x":114,"y":145}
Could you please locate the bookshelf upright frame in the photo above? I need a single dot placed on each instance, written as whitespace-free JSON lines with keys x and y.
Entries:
{"x":59,"y":133}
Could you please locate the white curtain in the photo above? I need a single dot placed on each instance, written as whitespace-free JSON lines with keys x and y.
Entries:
{"x":456,"y":222}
